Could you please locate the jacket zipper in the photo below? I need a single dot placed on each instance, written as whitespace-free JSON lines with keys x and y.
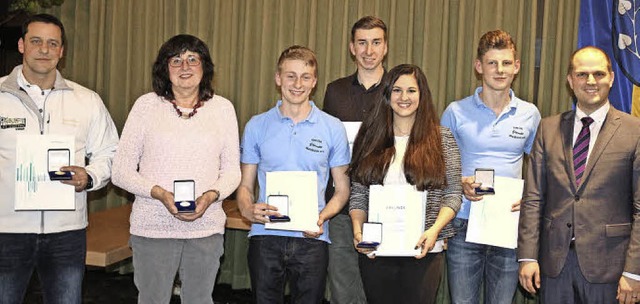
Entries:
{"x":42,"y":122}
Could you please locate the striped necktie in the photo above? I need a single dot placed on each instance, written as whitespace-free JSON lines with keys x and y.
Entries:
{"x":581,"y":149}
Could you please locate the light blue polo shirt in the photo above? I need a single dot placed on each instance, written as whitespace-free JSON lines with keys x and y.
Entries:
{"x":275,"y":143}
{"x":487,"y":141}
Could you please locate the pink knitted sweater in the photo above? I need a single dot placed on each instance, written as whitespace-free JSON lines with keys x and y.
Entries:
{"x":158,"y":147}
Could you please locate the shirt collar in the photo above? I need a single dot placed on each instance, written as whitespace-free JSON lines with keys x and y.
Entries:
{"x":28,"y":87}
{"x":22,"y":82}
{"x":513,"y":102}
{"x":311,"y":118}
{"x":598,"y":115}
{"x":356,"y":81}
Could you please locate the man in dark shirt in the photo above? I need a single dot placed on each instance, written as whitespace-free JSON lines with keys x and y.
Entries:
{"x":350,"y":99}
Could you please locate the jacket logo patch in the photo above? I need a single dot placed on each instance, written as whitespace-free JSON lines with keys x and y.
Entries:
{"x":13,"y":123}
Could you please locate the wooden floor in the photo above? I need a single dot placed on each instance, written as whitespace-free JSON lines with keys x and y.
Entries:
{"x":108,"y":233}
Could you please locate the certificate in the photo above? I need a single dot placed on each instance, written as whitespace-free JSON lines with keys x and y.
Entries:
{"x":491,"y":221}
{"x":352,"y":128}
{"x":34,"y":189}
{"x":302,"y":189}
{"x":401,"y":210}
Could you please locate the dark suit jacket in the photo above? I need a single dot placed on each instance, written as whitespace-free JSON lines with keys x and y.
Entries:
{"x":603,"y":212}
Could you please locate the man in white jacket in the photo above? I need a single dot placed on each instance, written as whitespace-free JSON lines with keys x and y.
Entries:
{"x":36,"y":100}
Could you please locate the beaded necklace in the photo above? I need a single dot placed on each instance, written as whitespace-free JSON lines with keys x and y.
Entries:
{"x":183,"y":115}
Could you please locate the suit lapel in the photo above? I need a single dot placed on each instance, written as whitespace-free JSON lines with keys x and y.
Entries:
{"x":566,"y":131}
{"x":609,"y":128}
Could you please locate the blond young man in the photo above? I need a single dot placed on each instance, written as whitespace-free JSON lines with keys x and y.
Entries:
{"x":293,"y":136}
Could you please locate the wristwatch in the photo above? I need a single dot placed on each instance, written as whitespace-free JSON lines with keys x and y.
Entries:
{"x":89,"y":182}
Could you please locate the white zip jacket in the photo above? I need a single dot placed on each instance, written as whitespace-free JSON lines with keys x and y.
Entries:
{"x":69,"y":109}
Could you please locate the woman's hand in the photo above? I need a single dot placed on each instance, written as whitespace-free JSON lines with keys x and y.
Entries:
{"x":202,"y":204}
{"x":166,"y":198}
{"x":426,"y":242}
{"x":357,"y":238}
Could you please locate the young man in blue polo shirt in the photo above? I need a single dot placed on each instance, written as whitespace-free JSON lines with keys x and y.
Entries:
{"x":278,"y":140}
{"x":493,"y":129}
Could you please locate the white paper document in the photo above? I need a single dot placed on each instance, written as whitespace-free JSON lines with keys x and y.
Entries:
{"x":401,"y":210}
{"x":302,"y":189}
{"x":491,"y":221}
{"x":352,"y":128}
{"x":34,"y":190}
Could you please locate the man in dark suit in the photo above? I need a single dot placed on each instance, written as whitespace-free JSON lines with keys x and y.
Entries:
{"x":579,"y":234}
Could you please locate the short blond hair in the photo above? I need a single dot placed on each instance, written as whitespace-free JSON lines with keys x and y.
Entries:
{"x":298,"y":52}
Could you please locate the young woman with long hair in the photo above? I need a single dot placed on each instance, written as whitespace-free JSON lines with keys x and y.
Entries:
{"x":400,"y":143}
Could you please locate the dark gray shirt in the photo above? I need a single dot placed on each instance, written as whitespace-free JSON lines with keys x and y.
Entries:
{"x":348,"y":100}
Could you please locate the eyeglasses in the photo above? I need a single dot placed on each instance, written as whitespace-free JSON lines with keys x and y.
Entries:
{"x":191,"y":60}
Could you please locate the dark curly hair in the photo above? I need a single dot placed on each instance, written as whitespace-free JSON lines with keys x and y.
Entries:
{"x":173,"y":47}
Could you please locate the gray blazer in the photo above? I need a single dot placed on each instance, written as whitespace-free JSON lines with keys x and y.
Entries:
{"x":603,"y":212}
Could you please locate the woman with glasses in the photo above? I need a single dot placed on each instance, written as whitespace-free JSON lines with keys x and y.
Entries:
{"x":401,"y":143}
{"x":179,"y":156}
